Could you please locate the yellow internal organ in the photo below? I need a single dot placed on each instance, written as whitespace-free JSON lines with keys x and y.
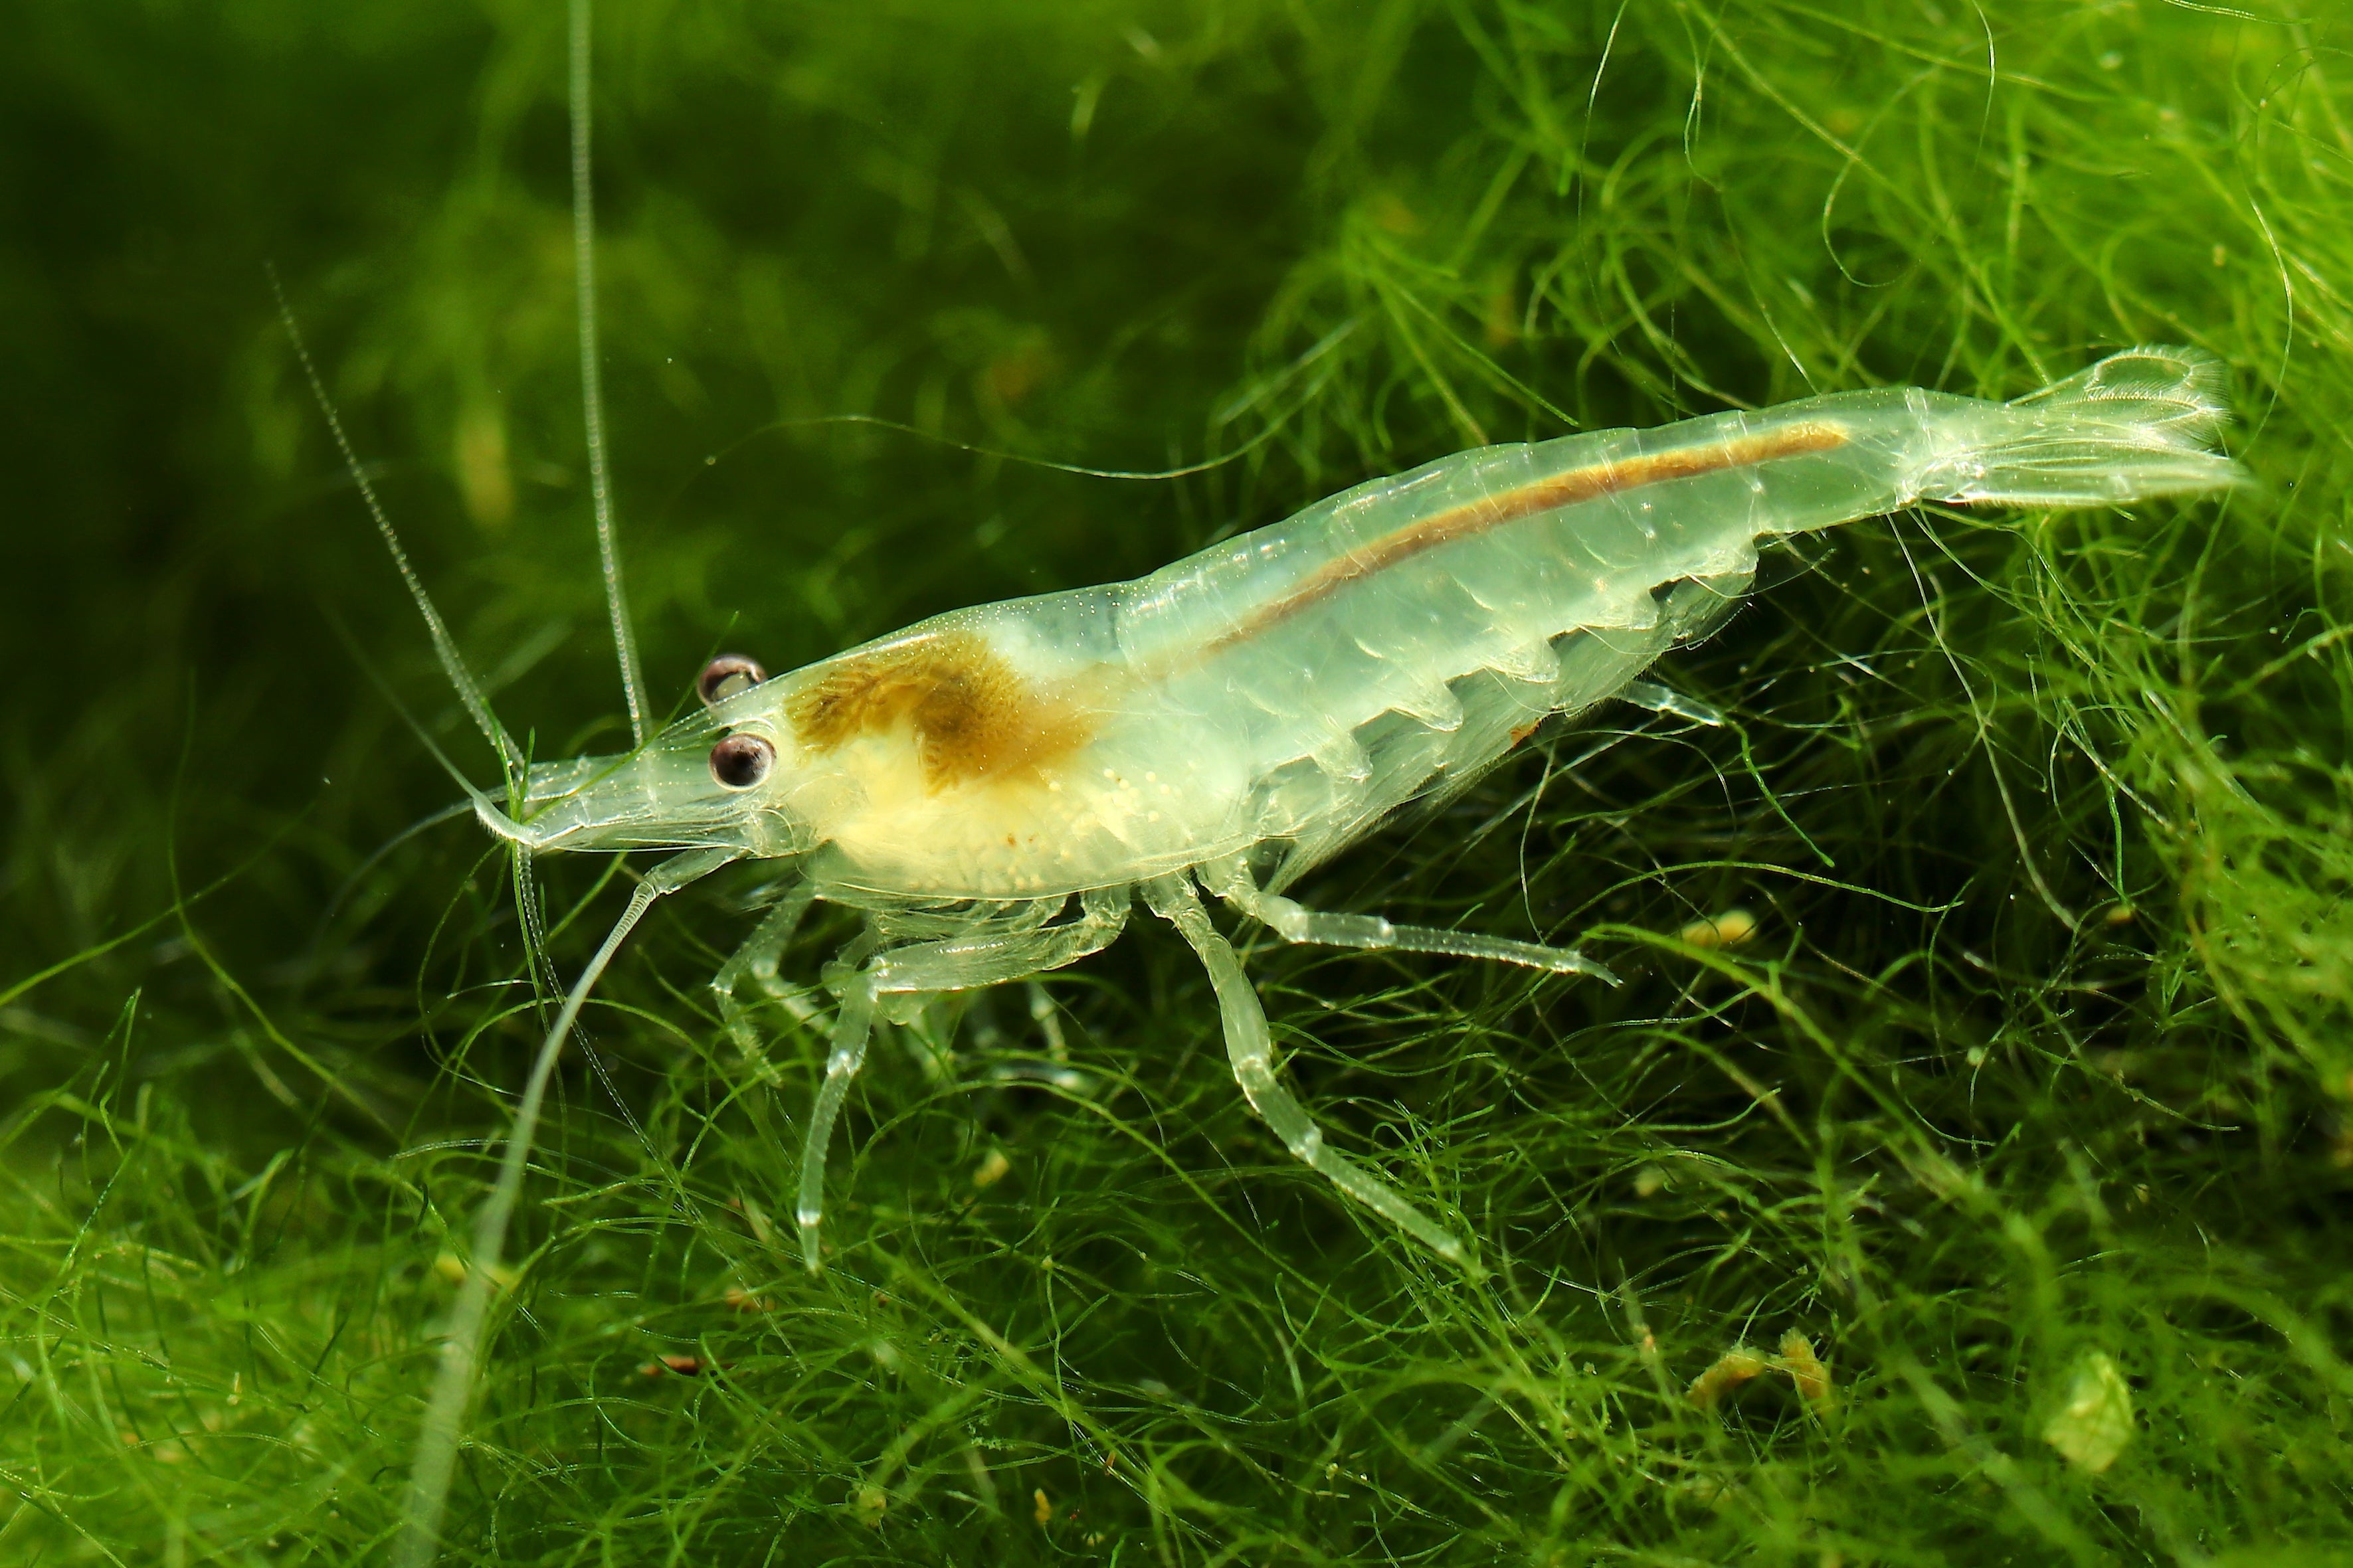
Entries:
{"x":971,"y":716}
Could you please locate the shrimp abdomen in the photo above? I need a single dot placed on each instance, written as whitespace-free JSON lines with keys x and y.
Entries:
{"x":1404,"y":634}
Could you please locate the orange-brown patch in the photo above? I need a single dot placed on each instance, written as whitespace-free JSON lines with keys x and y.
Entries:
{"x":972,"y":715}
{"x":1806,"y":1370}
{"x":1589,"y":483}
{"x":684,"y":1365}
{"x":1732,"y":1368}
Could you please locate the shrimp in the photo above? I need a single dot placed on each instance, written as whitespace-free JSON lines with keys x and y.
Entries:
{"x":993,"y":788}
{"x":1242,"y":715}
{"x":1238,"y":717}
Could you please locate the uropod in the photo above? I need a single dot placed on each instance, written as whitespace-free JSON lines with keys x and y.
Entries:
{"x":995,"y":788}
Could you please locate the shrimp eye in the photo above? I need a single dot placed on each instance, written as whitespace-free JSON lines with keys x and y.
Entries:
{"x":725,"y":676}
{"x":739,"y":762}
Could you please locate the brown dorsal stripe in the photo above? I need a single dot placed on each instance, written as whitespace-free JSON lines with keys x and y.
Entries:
{"x":971,"y":715}
{"x":1589,"y":483}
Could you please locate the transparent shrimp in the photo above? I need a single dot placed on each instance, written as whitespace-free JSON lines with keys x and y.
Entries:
{"x":993,"y":788}
{"x":1238,"y":717}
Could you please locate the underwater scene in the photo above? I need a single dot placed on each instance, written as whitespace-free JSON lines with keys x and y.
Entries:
{"x":1559,"y":1010}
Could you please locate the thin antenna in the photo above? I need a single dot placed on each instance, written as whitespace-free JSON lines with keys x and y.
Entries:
{"x":444,"y":647}
{"x":592,"y":384}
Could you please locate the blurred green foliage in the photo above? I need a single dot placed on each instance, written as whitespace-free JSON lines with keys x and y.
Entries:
{"x":2035,"y":1058}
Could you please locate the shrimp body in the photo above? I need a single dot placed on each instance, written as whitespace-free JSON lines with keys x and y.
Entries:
{"x":1233,"y":719}
{"x":1221,"y":724}
{"x":1230,"y":720}
{"x":1278,"y":694}
{"x":1241,"y":715}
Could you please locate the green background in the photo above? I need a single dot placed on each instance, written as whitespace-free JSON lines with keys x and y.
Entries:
{"x":2038,"y":1051}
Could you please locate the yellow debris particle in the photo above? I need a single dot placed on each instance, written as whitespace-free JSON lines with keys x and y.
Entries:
{"x":1731,"y":928}
{"x":1389,"y":211}
{"x":1732,"y":1368}
{"x":1044,"y":1513}
{"x":1501,"y":317}
{"x":452,"y":1268}
{"x":992,"y":1170}
{"x":870,"y":1504}
{"x":2092,"y":1427}
{"x":1013,"y":375}
{"x":1806,"y":1371}
{"x":1649,"y":1181}
{"x":1739,"y":1364}
{"x":684,"y":1365}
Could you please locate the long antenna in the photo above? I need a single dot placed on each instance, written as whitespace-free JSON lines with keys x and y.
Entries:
{"x":446,"y":648}
{"x":592,"y":384}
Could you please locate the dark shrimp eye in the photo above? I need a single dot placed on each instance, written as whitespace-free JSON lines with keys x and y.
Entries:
{"x":739,"y":762}
{"x":725,"y":676}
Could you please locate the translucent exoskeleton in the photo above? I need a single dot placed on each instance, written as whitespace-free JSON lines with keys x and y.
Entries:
{"x":995,"y":788}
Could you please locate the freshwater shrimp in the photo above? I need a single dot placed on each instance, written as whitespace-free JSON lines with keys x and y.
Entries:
{"x":993,"y":788}
{"x":1239,"y":716}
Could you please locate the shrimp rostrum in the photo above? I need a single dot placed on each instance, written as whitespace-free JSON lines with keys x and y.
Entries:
{"x":993,"y":786}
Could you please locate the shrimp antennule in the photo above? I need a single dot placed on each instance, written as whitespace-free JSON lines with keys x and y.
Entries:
{"x":445,"y":647}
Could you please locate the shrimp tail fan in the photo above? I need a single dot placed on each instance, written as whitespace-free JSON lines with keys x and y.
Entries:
{"x":2139,"y":424}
